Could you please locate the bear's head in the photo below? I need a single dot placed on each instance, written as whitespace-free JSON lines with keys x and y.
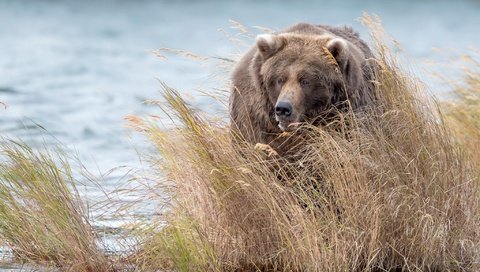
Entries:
{"x":305,"y":76}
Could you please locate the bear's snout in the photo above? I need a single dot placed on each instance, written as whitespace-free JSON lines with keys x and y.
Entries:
{"x":285,"y":115}
{"x":283,"y":109}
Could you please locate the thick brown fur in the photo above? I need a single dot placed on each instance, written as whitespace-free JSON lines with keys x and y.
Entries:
{"x":318,"y":69}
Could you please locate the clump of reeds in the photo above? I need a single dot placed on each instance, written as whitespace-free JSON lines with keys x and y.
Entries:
{"x":42,"y":218}
{"x":463,"y":114}
{"x":386,"y":190}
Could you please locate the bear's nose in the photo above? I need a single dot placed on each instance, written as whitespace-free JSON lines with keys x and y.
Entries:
{"x":283,"y":109}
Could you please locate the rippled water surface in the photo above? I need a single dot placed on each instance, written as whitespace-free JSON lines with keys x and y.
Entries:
{"x":76,"y":68}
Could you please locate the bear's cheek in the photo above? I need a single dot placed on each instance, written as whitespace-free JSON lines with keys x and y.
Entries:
{"x":318,"y":100}
{"x":273,"y":93}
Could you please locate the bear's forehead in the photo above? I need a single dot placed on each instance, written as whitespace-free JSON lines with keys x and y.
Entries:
{"x":304,"y":40}
{"x":308,"y":47}
{"x":291,"y":66}
{"x":301,"y":54}
{"x":312,"y":55}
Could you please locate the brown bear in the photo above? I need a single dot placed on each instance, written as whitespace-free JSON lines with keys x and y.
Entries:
{"x":301,"y":74}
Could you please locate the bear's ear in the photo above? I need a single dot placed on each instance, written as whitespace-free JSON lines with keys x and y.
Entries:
{"x":338,"y":47}
{"x":269,"y":44}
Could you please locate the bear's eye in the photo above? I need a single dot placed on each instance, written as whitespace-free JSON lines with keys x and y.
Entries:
{"x":279,"y":81}
{"x":304,"y":82}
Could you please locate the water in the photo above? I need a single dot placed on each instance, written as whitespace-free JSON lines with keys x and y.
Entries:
{"x":77,"y":68}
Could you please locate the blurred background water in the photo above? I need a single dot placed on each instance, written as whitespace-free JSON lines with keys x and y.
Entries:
{"x":76,"y":68}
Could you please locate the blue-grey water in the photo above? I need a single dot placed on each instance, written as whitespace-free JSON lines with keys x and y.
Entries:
{"x":77,"y":68}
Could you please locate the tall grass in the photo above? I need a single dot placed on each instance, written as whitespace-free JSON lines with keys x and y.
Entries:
{"x":387,"y":190}
{"x":42,"y":218}
{"x":463,"y":114}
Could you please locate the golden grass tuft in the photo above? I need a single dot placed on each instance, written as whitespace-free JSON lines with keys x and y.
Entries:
{"x":387,"y":190}
{"x":463,"y":114}
{"x":42,"y":218}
